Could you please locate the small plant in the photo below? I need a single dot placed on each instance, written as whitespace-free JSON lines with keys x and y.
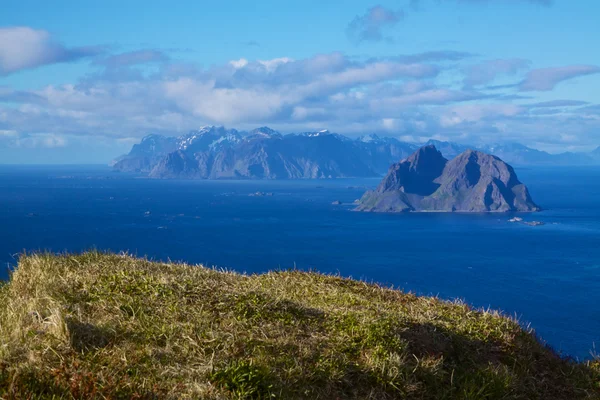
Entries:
{"x":243,"y":380}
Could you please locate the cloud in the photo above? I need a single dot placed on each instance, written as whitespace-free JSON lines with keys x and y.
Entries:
{"x":237,"y":64}
{"x":404,"y":95}
{"x":134,"y":58}
{"x":558,"y":103}
{"x":540,"y":2}
{"x":487,"y":71}
{"x":251,"y":43}
{"x":13,"y":139}
{"x":545,"y":79}
{"x":416,"y":4}
{"x":459,"y":115}
{"x":24,"y":48}
{"x":9,"y":95}
{"x":433,"y":56}
{"x":282,"y":91}
{"x":369,"y":27}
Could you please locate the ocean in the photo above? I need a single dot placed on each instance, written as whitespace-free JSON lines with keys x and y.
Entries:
{"x":547,"y":276}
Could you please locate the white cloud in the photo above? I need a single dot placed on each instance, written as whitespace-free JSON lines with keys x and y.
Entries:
{"x":487,"y":71}
{"x":241,"y":63}
{"x":271,"y":65}
{"x":23,"y":47}
{"x":396,"y":96}
{"x":545,"y":79}
{"x":456,"y":115}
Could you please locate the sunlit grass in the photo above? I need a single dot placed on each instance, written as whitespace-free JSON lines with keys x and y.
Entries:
{"x":112,"y":326}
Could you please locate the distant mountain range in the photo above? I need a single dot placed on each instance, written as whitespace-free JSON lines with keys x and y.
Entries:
{"x":218,"y":153}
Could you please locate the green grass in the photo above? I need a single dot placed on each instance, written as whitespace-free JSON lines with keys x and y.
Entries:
{"x":111,"y":326}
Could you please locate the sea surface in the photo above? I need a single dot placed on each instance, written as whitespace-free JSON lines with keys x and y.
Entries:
{"x":548,"y":276}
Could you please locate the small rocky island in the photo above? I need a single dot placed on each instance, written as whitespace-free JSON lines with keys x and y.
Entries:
{"x":471,"y":182}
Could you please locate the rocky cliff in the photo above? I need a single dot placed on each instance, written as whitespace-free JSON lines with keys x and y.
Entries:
{"x":471,"y":182}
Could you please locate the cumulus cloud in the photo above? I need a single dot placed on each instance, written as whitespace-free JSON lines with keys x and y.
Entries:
{"x":178,"y":97}
{"x":404,"y":95}
{"x":545,"y":79}
{"x":23,"y":48}
{"x":487,"y":71}
{"x":370,"y":26}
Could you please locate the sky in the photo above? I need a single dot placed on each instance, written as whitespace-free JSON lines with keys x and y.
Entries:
{"x":80,"y":82}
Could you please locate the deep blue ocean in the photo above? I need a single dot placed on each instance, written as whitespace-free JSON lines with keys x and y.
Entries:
{"x":548,"y":275}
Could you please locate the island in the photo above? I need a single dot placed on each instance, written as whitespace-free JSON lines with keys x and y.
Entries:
{"x":473,"y":181}
{"x":216,"y":152}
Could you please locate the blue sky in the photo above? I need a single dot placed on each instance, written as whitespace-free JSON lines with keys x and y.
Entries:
{"x":82,"y":82}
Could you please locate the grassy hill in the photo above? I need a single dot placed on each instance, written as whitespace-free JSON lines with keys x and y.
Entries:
{"x":112,"y":326}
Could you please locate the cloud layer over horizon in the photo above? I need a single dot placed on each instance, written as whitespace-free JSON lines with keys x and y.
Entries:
{"x":443,"y":94}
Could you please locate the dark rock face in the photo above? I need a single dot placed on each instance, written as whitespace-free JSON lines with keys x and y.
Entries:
{"x":175,"y":165}
{"x":471,"y":182}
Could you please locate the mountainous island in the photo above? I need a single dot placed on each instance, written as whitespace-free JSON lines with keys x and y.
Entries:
{"x":107,"y":326}
{"x":473,"y":181}
{"x":219,"y":153}
{"x":214,"y":152}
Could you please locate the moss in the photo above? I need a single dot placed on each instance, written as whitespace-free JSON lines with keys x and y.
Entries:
{"x":99,"y":325}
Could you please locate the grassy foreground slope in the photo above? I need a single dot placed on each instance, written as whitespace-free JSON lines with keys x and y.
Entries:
{"x":112,"y":326}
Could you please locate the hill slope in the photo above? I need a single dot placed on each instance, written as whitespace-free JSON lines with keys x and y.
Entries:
{"x":111,"y":326}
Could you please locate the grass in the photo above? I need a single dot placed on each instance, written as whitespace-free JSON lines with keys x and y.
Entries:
{"x":101,"y":326}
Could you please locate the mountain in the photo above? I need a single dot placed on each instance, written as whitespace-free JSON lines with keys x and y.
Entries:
{"x":473,"y":181}
{"x":270,"y":156}
{"x":214,"y":152}
{"x":519,"y":154}
{"x":514,"y":153}
{"x":263,"y":153}
{"x":378,"y":152}
{"x":448,"y":149}
{"x":145,"y":154}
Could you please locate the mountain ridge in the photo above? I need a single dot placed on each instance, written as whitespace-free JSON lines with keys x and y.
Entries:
{"x":215,"y":152}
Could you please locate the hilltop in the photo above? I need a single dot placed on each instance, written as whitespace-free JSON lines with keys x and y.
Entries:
{"x":111,"y":326}
{"x":472,"y":181}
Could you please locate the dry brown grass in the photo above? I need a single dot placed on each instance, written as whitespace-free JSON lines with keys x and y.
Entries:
{"x":111,"y":326}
